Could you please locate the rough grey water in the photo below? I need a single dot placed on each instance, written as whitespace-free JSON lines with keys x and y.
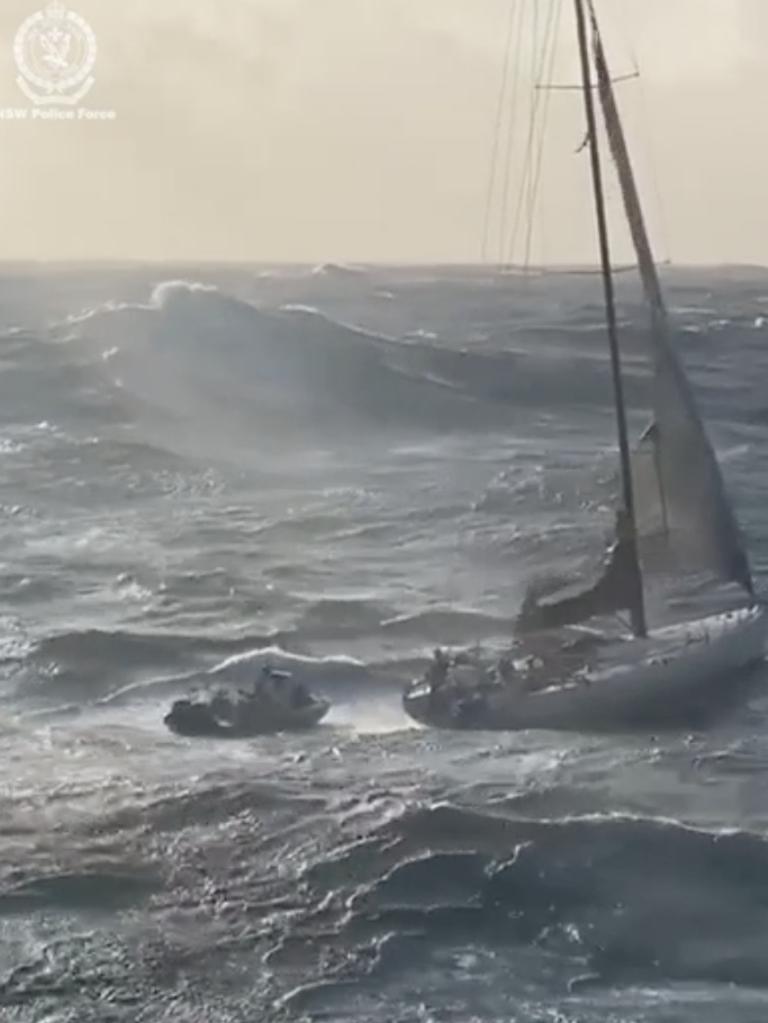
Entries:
{"x":205,"y":468}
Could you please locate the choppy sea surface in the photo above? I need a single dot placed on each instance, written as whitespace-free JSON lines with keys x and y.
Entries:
{"x":337,"y":468}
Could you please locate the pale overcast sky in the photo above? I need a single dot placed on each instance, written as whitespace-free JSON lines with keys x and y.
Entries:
{"x":313,"y":130}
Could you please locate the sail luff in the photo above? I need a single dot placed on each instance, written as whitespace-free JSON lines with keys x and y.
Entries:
{"x":685,"y":442}
{"x":630,"y":195}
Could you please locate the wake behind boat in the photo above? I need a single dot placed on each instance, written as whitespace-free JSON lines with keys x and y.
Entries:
{"x":277,"y":703}
{"x":674,"y":522}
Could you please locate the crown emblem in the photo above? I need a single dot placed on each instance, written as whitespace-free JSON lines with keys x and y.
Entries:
{"x":55,"y":50}
{"x":56,"y":10}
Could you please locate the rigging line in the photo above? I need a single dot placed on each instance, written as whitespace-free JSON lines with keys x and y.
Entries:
{"x":539,"y":158}
{"x":513,"y":13}
{"x":534,"y":168}
{"x":507,"y":175}
{"x":527,"y":180}
{"x":508,"y":242}
{"x":564,"y":87}
{"x":652,"y":162}
{"x":537,"y":65}
{"x":651,"y":150}
{"x":525,"y":183}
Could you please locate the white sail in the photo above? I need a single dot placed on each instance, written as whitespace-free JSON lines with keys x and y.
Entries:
{"x":681,"y":501}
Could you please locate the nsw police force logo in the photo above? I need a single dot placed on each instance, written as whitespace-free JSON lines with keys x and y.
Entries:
{"x":55,"y":50}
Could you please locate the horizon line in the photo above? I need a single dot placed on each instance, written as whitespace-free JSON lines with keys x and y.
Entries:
{"x":370,"y":264}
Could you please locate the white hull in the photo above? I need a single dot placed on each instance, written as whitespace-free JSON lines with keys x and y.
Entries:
{"x":641,"y":678}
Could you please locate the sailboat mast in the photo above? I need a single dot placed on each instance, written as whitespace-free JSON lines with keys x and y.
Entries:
{"x":638,"y":611}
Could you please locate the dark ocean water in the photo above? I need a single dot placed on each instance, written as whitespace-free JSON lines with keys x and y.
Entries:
{"x":337,"y":469}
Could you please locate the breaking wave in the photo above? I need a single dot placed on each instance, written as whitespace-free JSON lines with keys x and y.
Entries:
{"x":195,"y":354}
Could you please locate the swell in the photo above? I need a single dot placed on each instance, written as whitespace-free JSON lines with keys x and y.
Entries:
{"x":131,"y":649}
{"x":87,"y":665}
{"x":354,"y":619}
{"x":618,"y":899}
{"x":102,"y":890}
{"x":73,"y":671}
{"x":194,"y":356}
{"x":108,"y":665}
